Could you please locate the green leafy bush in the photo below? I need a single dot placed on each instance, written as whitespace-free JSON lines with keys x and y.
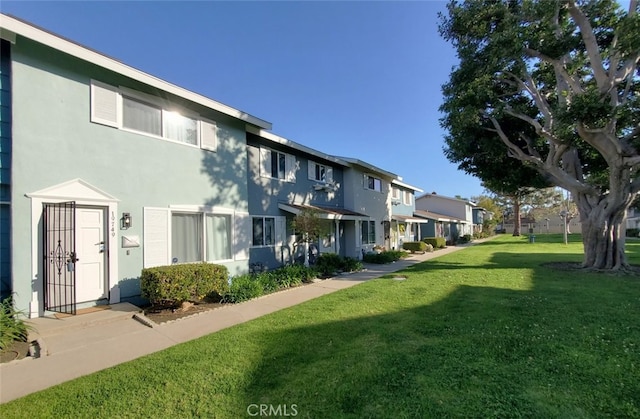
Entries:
{"x":188,"y":282}
{"x":350,"y":264}
{"x":12,"y":327}
{"x":632,"y":232}
{"x":464,"y":239}
{"x":415,"y":246}
{"x":385,"y":257}
{"x":328,"y":264}
{"x":436,"y":242}
{"x":267,"y":280}
{"x":243,"y":288}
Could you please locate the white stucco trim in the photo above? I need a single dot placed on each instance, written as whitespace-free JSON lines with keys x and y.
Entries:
{"x":85,"y":194}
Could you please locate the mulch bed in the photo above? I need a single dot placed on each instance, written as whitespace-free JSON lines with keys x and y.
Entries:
{"x":17,"y":350}
{"x":169,"y":312}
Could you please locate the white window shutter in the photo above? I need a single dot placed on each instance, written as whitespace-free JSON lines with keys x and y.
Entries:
{"x":156,"y":230}
{"x":329,"y":174}
{"x":312,"y":170}
{"x":290,"y":167}
{"x":265,"y":162}
{"x":104,"y":104}
{"x":241,"y":235}
{"x":365,"y":181}
{"x":359,"y":233}
{"x":208,"y":135}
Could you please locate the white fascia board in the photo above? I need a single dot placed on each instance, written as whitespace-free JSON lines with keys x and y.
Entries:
{"x":283,"y":141}
{"x":357,"y":162}
{"x":406,"y":185}
{"x":27,"y":30}
{"x":447,"y":197}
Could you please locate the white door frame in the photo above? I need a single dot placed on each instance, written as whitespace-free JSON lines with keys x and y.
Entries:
{"x":84,"y":194}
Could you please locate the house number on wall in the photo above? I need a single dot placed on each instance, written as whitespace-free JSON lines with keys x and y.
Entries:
{"x":113,"y":224}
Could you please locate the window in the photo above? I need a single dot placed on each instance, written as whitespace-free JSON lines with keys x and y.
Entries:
{"x":218,"y":236}
{"x":143,"y":114}
{"x":320,"y":172}
{"x":395,"y":193}
{"x":191,"y":241}
{"x":264,"y":229}
{"x":139,"y":116}
{"x":368,"y":232}
{"x":185,"y":236}
{"x":180,"y":128}
{"x":277,"y":165}
{"x":407,"y":197}
{"x":372,"y":183}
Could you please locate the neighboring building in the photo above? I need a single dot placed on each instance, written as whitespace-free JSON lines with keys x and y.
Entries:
{"x":633,"y":219}
{"x":479,"y":215}
{"x":439,"y":225}
{"x":285,"y":178}
{"x":404,"y":226}
{"x":111,"y":170}
{"x":460,"y":211}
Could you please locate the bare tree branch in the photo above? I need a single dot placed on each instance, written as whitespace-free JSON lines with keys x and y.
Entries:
{"x":589,"y":39}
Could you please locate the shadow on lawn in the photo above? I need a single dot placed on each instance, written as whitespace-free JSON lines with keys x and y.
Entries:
{"x":569,"y":346}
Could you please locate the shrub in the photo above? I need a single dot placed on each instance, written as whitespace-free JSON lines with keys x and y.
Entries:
{"x":385,"y":257}
{"x":464,"y":239}
{"x":415,"y":246}
{"x":267,"y":280}
{"x":243,"y":288}
{"x":12,"y":328}
{"x":328,"y":263}
{"x":632,"y":232}
{"x":351,"y":265}
{"x":188,"y":282}
{"x":436,"y":242}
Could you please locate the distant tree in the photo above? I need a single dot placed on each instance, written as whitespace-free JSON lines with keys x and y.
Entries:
{"x":551,"y":89}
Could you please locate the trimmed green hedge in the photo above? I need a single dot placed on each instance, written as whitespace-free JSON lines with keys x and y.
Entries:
{"x":436,"y":242}
{"x":187,"y":282}
{"x":415,"y":246}
{"x":384,"y":257}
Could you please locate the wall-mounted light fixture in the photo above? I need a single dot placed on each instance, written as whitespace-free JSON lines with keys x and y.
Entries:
{"x":126,"y":220}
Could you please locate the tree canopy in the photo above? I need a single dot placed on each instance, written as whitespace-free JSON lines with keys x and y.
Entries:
{"x":547,"y":92}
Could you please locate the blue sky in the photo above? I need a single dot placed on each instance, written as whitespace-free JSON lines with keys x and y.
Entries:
{"x":357,"y":79}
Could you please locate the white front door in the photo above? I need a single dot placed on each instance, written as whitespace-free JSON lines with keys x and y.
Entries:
{"x":91,"y":251}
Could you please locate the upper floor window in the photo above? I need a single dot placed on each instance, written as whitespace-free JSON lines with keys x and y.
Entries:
{"x":320,"y":172}
{"x":277,"y":165}
{"x":373,"y":183}
{"x":407,"y":197}
{"x":126,"y":109}
{"x":395,"y":193}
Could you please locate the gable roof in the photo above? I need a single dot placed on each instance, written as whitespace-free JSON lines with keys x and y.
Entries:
{"x":10,"y":26}
{"x":367,"y":166}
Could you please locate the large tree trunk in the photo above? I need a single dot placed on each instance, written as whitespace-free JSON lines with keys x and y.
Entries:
{"x":516,"y":217}
{"x":603,"y":234}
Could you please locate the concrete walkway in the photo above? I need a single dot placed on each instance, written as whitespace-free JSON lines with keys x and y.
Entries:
{"x":79,"y":345}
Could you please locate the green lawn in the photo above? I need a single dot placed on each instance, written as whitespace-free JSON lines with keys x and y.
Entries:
{"x":484,"y":332}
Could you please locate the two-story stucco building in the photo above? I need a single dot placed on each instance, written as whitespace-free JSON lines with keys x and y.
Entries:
{"x":106,"y":170}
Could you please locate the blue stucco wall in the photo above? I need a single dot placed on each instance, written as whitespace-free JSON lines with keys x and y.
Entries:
{"x":55,"y":141}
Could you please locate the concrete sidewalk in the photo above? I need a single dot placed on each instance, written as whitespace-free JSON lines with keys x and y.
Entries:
{"x":79,"y":345}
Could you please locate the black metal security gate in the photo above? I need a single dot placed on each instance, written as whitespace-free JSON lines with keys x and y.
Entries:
{"x":59,"y":237}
